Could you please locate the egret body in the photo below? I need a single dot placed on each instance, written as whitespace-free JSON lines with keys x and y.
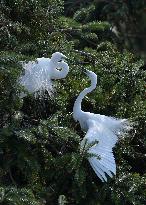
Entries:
{"x":99,"y":128}
{"x":40,"y":73}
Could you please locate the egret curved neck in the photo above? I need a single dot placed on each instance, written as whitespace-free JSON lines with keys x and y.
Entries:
{"x":63,"y":72}
{"x":77,"y":105}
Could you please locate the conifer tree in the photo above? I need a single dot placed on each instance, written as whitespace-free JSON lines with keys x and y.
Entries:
{"x":128,"y":19}
{"x":40,"y":157}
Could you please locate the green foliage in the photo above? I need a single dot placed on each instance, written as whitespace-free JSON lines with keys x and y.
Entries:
{"x":71,"y":6}
{"x":14,"y":196}
{"x":28,"y":21}
{"x":84,"y":14}
{"x":41,"y":160}
{"x":132,"y":193}
{"x":9,"y":88}
{"x":82,"y":35}
{"x":129,"y":19}
{"x":85,"y":28}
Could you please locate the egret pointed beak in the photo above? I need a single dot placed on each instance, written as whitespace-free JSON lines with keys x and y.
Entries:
{"x":84,"y":70}
{"x":64,"y":57}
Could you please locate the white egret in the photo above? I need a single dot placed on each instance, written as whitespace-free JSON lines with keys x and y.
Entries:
{"x":39,"y":74}
{"x":99,"y":128}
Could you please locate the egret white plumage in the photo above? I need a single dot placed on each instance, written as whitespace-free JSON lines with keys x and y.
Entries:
{"x":40,"y":73}
{"x":99,"y":128}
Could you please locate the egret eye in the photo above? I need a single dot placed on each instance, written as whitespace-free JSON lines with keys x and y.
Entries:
{"x":60,"y":60}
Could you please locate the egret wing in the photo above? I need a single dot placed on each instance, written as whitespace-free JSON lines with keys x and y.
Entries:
{"x":106,"y":141}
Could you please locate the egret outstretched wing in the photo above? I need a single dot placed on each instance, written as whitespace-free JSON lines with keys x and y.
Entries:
{"x":106,"y":141}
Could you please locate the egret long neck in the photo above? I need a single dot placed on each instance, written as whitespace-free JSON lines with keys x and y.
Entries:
{"x":77,"y":105}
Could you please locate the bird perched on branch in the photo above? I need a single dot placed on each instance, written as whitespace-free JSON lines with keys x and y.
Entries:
{"x":101,"y":129}
{"x":40,"y":73}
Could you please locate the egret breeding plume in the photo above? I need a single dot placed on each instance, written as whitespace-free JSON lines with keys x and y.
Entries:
{"x":40,"y":73}
{"x":99,"y":128}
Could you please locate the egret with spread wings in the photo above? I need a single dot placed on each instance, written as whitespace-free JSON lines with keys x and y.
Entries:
{"x":40,"y":73}
{"x":99,"y":128}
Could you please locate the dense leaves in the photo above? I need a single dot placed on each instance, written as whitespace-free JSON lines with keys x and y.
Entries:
{"x":40,"y":158}
{"x":129,"y":21}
